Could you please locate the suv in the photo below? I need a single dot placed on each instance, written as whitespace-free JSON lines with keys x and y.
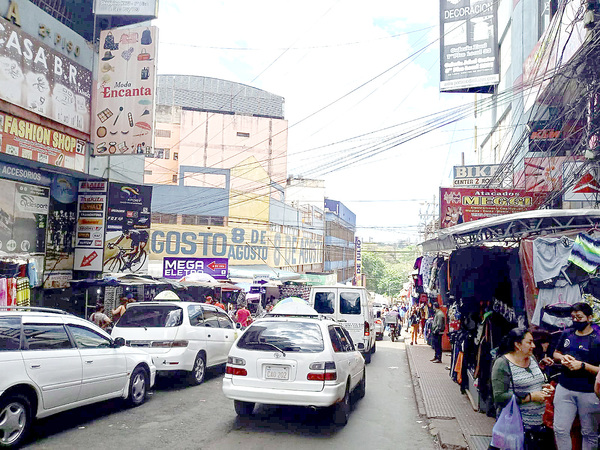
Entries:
{"x":179,"y":336}
{"x":292,"y":360}
{"x":53,"y":361}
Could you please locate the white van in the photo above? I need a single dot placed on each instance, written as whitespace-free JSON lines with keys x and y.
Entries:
{"x":350,"y":307}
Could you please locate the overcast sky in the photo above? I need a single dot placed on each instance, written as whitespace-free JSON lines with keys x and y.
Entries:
{"x":358,"y":79}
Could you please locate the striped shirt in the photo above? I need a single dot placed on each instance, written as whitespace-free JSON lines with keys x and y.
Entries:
{"x":527,"y":380}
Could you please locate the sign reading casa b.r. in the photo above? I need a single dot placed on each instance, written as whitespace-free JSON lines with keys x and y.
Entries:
{"x":176,"y":268}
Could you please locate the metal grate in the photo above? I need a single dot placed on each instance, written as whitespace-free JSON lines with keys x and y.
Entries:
{"x":57,"y":9}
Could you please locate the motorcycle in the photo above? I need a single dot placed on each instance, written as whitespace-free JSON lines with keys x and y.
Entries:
{"x":393,"y":332}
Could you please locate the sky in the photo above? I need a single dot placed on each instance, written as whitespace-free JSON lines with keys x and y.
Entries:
{"x":359,"y":80}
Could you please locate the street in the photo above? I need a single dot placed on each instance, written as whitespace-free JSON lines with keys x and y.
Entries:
{"x":182,"y":417}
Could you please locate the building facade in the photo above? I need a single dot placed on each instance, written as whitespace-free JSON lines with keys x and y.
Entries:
{"x":340,"y":229}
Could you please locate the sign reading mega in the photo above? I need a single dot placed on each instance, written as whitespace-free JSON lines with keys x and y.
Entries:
{"x":125,"y":94}
{"x":38,"y":78}
{"x":176,"y":268}
{"x":474,"y":175}
{"x":468,"y":44}
{"x":459,"y":205}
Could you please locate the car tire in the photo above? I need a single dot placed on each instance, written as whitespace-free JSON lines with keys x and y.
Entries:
{"x":367,"y":356}
{"x":341,"y":410}
{"x":196,"y":376}
{"x":15,"y":420}
{"x":374,"y":348}
{"x":361,"y":388}
{"x":243,"y":409}
{"x":138,"y":387}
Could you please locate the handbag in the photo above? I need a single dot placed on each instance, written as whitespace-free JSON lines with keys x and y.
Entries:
{"x":129,"y":38}
{"x":508,"y":433}
{"x":146,"y":37}
{"x":109,"y":42}
{"x":144,"y":55}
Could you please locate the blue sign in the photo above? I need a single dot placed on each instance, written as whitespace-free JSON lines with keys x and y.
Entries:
{"x":24,"y":174}
{"x":176,"y":268}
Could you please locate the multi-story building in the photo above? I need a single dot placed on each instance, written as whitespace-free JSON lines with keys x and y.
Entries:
{"x":340,"y":228}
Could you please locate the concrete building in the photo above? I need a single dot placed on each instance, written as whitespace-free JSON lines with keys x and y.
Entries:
{"x":340,"y":229}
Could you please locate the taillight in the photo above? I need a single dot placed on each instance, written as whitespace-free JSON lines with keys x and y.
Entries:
{"x":239,"y":371}
{"x":169,"y":344}
{"x":378,"y":321}
{"x":367,"y":329}
{"x":327,"y":371}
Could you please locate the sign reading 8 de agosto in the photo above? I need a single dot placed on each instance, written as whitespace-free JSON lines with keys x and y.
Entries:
{"x":239,"y":245}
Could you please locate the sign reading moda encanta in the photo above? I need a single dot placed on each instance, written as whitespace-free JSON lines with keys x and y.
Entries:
{"x":123,"y":119}
{"x":459,"y":205}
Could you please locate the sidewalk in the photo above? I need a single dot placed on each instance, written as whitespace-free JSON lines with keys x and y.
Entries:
{"x":452,"y":417}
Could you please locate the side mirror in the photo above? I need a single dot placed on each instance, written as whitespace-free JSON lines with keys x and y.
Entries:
{"x":238,"y":326}
{"x":119,"y":342}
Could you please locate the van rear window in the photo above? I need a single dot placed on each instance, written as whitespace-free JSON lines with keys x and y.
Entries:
{"x":324,"y":302}
{"x":151,"y":317}
{"x":349,"y":303}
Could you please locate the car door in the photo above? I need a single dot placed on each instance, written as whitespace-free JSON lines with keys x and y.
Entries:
{"x":229,"y":333}
{"x":104,"y":368}
{"x":351,"y":314}
{"x":214,"y":337}
{"x":356,"y":361}
{"x":341,"y":356}
{"x":52,"y":361}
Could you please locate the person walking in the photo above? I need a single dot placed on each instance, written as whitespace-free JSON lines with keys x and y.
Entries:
{"x":414,"y":320}
{"x":578,"y":351}
{"x":99,"y":318}
{"x":517,"y":372}
{"x":437,"y":332}
{"x":243,"y":316}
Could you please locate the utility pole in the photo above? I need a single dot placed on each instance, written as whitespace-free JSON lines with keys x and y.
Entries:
{"x":428,"y":219}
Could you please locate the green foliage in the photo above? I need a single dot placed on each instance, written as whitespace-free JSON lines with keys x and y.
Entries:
{"x":387,"y":267}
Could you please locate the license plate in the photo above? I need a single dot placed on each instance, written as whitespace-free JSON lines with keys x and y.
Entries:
{"x":277,"y":373}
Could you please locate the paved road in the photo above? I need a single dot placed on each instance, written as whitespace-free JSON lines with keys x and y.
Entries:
{"x":200,"y":417}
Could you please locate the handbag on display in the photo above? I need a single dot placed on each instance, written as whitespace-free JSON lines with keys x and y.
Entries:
{"x":146,"y":37}
{"x":109,"y":42}
{"x":144,"y":55}
{"x":508,"y":433}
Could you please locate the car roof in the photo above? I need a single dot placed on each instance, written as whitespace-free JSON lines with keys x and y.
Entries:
{"x":320,"y":319}
{"x":180,"y":304}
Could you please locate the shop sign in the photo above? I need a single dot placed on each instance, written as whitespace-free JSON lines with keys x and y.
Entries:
{"x":238,"y":245}
{"x":544,"y":174}
{"x":468,"y":44}
{"x":129,"y":205}
{"x":459,"y":205}
{"x":126,"y":8}
{"x":176,"y":268}
{"x":479,"y":175}
{"x":587,"y":186}
{"x":358,"y":261}
{"x":24,"y":174}
{"x":91,"y":225}
{"x":37,"y":143}
{"x":38,"y":78}
{"x":88,"y":259}
{"x":57,"y":279}
{"x":125,"y":93}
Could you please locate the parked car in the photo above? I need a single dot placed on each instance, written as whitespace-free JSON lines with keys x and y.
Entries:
{"x":295,"y":360}
{"x":179,"y":336}
{"x":379,"y":328}
{"x":53,"y":361}
{"x":349,"y":306}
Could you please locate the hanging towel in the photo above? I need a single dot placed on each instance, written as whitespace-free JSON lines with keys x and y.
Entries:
{"x":32,"y":273}
{"x":3,"y":294}
{"x":11,"y":285}
{"x":23,"y":292}
{"x":586,"y":253}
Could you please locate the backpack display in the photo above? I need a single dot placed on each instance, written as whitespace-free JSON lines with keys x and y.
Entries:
{"x":146,"y":37}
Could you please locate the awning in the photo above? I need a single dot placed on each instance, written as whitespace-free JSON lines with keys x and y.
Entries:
{"x":262,"y":270}
{"x":511,"y":228}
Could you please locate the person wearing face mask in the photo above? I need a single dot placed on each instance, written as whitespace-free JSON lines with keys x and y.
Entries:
{"x":578,"y":351}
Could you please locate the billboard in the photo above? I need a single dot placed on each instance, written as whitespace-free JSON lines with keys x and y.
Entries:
{"x":91,"y":223}
{"x":126,"y":7}
{"x":38,"y":78}
{"x":586,"y":187}
{"x":176,"y":268}
{"x":124,"y":97}
{"x":459,"y":205}
{"x":468,"y":44}
{"x":474,"y":175}
{"x":544,"y":174}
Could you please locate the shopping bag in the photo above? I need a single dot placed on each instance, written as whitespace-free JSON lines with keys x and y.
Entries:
{"x":508,"y":433}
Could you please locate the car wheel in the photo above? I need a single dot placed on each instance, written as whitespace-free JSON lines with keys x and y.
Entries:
{"x":361,"y":389}
{"x":374,"y":348}
{"x":367,"y":356}
{"x":243,"y":409}
{"x":15,"y":420}
{"x":138,"y":387}
{"x":341,"y":410}
{"x":197,"y":374}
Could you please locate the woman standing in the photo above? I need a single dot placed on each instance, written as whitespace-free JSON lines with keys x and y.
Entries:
{"x":414,"y":320}
{"x":517,"y":371}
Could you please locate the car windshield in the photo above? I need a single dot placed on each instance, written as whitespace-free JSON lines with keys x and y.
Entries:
{"x":299,"y":337}
{"x":155,"y":316}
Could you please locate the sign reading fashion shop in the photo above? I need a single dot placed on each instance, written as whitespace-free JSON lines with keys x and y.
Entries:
{"x":459,"y":205}
{"x":238,"y":245}
{"x":36,"y":77}
{"x":468,"y":44}
{"x":124,"y":97}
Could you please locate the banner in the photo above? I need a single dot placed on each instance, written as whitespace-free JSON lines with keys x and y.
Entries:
{"x":357,"y":262}
{"x":176,"y":268}
{"x":586,"y":187}
{"x":38,"y":78}
{"x":125,"y":93}
{"x":126,"y":7}
{"x":544,"y":174}
{"x":34,"y":142}
{"x":91,"y":222}
{"x":459,"y":205}
{"x":468,"y":44}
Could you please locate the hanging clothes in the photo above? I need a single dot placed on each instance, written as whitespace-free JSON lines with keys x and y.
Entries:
{"x":585,"y":253}
{"x":550,"y":258}
{"x":3,"y":292}
{"x":562,"y":293}
{"x":32,"y":273}
{"x":23,"y":292}
{"x":11,"y":285}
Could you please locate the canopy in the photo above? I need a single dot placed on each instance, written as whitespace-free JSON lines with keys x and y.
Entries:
{"x":293,"y":306}
{"x":262,"y":270}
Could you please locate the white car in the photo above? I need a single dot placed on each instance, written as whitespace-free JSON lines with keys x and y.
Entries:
{"x":52,"y":361}
{"x":379,"y":329}
{"x":305,"y":361}
{"x":179,"y":336}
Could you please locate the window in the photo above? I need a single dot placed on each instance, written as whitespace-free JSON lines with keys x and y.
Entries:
{"x":86,"y":338}
{"x":210,"y":319}
{"x":324,"y":302}
{"x":170,"y":219}
{"x":335,"y":340}
{"x":241,"y":134}
{"x":147,"y":172}
{"x":163,"y":133}
{"x":46,"y":336}
{"x":196,"y":316}
{"x":348,"y":339}
{"x":224,"y":320}
{"x":10,"y":333}
{"x":349,"y":303}
{"x":175,"y":156}
{"x":301,"y":337}
{"x":151,"y":317}
{"x":174,"y":178}
{"x":347,"y":345}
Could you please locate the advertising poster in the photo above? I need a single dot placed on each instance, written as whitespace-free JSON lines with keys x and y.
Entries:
{"x":60,"y":238}
{"x":31,"y":141}
{"x":126,"y":7}
{"x":469,"y":44}
{"x":91,"y":225}
{"x":358,"y":262}
{"x":544,"y":174}
{"x":176,"y":268}
{"x":125,"y":94}
{"x":23,"y":217}
{"x":587,"y":186}
{"x":127,"y":228}
{"x":459,"y":205}
{"x":38,"y":78}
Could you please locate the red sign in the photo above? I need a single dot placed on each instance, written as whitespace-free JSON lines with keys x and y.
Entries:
{"x":214,"y":266}
{"x":87,"y":260}
{"x":459,"y":205}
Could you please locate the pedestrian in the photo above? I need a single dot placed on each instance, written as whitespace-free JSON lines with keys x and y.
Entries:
{"x":99,"y":318}
{"x":437,"y":331}
{"x":209,"y":300}
{"x":517,"y":372}
{"x":423,"y":315}
{"x":218,"y":304}
{"x":120,"y":310}
{"x":414,"y":320}
{"x":578,"y":351}
{"x":243,"y":316}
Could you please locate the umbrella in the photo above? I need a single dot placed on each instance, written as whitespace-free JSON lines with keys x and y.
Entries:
{"x":293,"y":306}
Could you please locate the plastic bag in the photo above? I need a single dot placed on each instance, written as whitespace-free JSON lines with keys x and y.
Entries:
{"x":508,"y":431}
